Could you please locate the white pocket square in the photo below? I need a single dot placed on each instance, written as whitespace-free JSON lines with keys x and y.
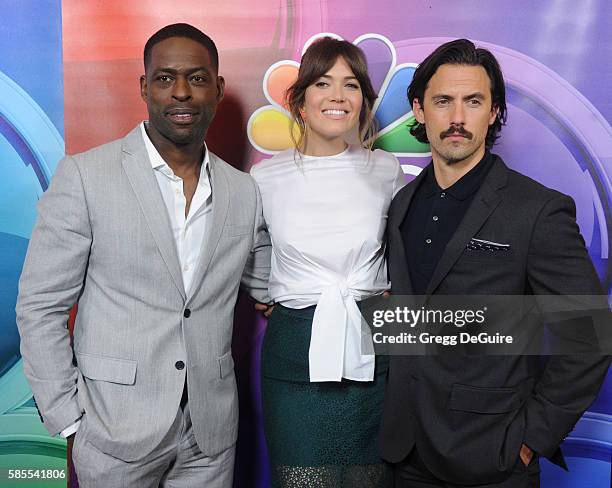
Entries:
{"x":481,"y":245}
{"x":490,"y":243}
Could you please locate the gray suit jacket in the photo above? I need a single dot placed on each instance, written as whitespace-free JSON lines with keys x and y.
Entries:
{"x":103,"y":239}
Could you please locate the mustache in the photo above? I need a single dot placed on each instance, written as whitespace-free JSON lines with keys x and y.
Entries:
{"x":454,"y":130}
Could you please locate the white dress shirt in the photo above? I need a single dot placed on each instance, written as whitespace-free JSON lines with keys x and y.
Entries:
{"x":188,"y":231}
{"x":327,"y":217}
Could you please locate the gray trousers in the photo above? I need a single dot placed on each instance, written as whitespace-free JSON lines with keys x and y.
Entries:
{"x":176,"y":463}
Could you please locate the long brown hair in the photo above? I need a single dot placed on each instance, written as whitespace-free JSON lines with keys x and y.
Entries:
{"x":318,"y":59}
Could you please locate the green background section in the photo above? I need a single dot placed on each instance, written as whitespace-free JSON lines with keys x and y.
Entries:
{"x":25,"y":444}
{"x":400,"y":140}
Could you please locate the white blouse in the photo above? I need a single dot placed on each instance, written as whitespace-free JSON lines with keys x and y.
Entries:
{"x":327,"y":218}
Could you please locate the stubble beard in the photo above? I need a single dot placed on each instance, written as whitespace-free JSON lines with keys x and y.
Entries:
{"x":452,"y":155}
{"x":183,"y":136}
{"x":461,"y":154}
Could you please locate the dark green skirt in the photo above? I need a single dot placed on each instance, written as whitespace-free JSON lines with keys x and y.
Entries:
{"x":318,"y":434}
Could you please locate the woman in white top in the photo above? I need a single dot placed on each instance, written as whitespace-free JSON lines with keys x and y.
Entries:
{"x":325,"y":203}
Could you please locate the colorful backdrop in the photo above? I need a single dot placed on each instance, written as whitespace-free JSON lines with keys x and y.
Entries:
{"x":69,"y":72}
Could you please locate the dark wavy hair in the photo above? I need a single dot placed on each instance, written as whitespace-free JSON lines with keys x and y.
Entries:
{"x":181,"y":30}
{"x":460,"y":52}
{"x":318,"y":59}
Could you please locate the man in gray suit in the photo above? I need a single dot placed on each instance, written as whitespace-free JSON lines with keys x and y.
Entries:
{"x":151,"y":235}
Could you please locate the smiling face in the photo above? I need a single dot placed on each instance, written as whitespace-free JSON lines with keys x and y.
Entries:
{"x":182,"y":90}
{"x":332,"y":105}
{"x":457,"y":111}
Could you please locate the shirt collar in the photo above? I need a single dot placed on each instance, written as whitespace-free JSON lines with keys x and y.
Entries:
{"x":465,"y":186}
{"x":157,"y":162}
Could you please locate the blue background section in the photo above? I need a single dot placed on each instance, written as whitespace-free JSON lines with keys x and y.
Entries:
{"x":31,"y":52}
{"x":31,"y":56}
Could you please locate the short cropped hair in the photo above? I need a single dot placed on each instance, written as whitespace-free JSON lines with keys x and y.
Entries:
{"x":181,"y":30}
{"x":460,"y":52}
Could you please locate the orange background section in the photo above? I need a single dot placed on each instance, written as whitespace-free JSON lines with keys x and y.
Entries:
{"x":103,"y":42}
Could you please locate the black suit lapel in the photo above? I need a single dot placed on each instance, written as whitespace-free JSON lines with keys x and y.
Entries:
{"x":400,"y":282}
{"x":485,"y":201}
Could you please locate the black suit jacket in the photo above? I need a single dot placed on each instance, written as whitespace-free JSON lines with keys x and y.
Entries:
{"x":468,"y":416}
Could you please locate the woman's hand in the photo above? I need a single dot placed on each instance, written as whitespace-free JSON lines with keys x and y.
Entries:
{"x":264,"y":308}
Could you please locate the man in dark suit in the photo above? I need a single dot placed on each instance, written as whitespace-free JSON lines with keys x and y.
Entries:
{"x":469,"y":225}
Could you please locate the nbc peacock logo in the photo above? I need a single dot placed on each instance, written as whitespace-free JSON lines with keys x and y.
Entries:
{"x":269,"y":127}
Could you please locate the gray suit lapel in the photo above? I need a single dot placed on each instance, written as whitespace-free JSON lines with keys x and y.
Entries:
{"x":485,"y":201}
{"x":142,"y":179}
{"x":220,"y":206}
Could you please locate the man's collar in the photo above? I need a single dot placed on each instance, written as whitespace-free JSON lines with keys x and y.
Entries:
{"x":465,"y":186}
{"x":155,"y":158}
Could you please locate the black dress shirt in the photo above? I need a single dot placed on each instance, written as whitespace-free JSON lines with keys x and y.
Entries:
{"x":433,"y":218}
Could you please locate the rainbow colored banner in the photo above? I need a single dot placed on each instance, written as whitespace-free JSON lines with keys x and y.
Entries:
{"x":69,"y":75}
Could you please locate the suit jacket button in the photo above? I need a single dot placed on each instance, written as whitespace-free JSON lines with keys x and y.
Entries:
{"x":179,"y":365}
{"x":187,"y":313}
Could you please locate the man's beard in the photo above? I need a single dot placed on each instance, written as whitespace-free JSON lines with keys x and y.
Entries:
{"x":456,"y":158}
{"x":182,"y":136}
{"x":455,"y":155}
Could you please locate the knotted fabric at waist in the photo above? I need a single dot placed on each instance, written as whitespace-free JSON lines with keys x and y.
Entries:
{"x":336,"y":337}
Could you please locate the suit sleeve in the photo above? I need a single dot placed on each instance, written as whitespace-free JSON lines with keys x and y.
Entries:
{"x":558,"y":264}
{"x":257,"y":270}
{"x":49,"y":286}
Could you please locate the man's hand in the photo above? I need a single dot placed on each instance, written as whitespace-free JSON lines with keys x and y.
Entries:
{"x":526,"y":454}
{"x":264,"y":308}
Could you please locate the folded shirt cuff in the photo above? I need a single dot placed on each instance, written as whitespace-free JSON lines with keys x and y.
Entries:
{"x":71,"y":429}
